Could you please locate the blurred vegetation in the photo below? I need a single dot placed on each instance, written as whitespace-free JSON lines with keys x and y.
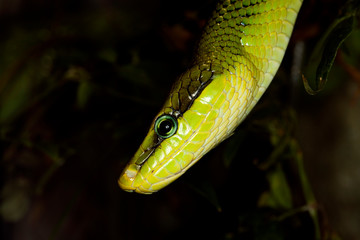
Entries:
{"x":79,"y":84}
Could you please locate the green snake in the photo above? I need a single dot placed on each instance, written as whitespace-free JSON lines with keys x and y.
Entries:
{"x":238,"y":55}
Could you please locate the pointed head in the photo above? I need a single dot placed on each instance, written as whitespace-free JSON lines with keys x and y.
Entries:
{"x":175,"y":138}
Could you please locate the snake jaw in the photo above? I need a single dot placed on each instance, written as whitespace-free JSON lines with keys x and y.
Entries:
{"x":132,"y":180}
{"x":127,"y":178}
{"x":149,"y":169}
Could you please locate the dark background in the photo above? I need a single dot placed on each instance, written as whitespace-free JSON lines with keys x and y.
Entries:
{"x":80,"y":82}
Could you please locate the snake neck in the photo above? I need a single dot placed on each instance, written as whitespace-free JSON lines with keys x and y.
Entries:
{"x":243,"y":40}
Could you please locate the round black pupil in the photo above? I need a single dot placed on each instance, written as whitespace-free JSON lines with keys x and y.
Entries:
{"x":165,"y":127}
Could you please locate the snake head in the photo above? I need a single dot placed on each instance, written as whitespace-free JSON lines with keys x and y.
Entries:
{"x":204,"y":107}
{"x":166,"y":153}
{"x":176,"y":137}
{"x":158,"y":161}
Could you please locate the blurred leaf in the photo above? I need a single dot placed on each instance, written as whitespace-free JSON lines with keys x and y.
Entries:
{"x":68,"y":207}
{"x":306,"y":187}
{"x":334,"y":236}
{"x":108,"y":55}
{"x":14,"y":200}
{"x":324,"y":54}
{"x":280,"y":130}
{"x":15,"y":99}
{"x":232,"y":147}
{"x":134,"y":74}
{"x":83,"y":94}
{"x":204,"y":188}
{"x":279,"y":194}
{"x":85,"y":87}
{"x":52,"y":152}
{"x":263,"y":226}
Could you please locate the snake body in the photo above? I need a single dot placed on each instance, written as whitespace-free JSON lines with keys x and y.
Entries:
{"x":237,"y":57}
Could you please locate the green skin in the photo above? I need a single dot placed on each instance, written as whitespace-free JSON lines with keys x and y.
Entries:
{"x":238,"y":55}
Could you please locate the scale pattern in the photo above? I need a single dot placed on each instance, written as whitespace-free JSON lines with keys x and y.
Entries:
{"x":238,"y":55}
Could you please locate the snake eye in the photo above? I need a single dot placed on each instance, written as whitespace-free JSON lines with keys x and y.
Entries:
{"x":166,"y":126}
